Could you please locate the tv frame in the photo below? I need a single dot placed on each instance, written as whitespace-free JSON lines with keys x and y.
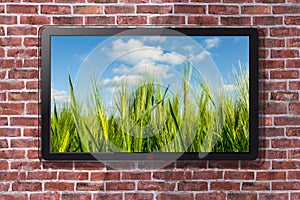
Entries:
{"x":46,"y":155}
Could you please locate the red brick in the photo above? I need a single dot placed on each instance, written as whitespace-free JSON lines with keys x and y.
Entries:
{"x":103,"y":1}
{"x":60,"y":166}
{"x":51,"y":9}
{"x":105,"y":176}
{"x":256,"y":10}
{"x":92,"y":166}
{"x":38,"y":1}
{"x":238,"y":196}
{"x":10,"y":41}
{"x":286,"y":53}
{"x":67,"y":20}
{"x":189,"y":9}
{"x":39,"y":196}
{"x":31,"y":132}
{"x":275,"y":154}
{"x":3,"y":121}
{"x":293,"y":131}
{"x":168,"y":1}
{"x":211,"y":195}
{"x":132,"y":20}
{"x":76,"y":196}
{"x":10,"y":132}
{"x":134,"y":1}
{"x":119,"y":9}
{"x":35,"y":20}
{"x":136,"y":176}
{"x":99,"y":20}
{"x":88,"y":9}
{"x":155,"y":9}
{"x":23,"y":30}
{"x":14,"y":196}
{"x":203,"y":20}
{"x":294,"y":175}
{"x":269,"y":196}
{"x":156,"y":186}
{"x":70,"y":1}
{"x":23,"y":121}
{"x":24,"y":143}
{"x":292,"y":20}
{"x":167,"y":20}
{"x":2,"y":76}
{"x":287,"y":120}
{"x":8,"y":20}
{"x":284,"y":32}
{"x":174,"y":196}
{"x":73,"y":175}
{"x":3,"y":143}
{"x":110,"y":196}
{"x":192,"y":186}
{"x":190,"y":164}
{"x":31,"y":42}
{"x":224,"y":185}
{"x":255,"y":186}
{"x":120,"y":185}
{"x":238,"y":1}
{"x":294,"y":154}
{"x":23,"y":53}
{"x":32,"y":108}
{"x":2,"y":31}
{"x":285,"y":186}
{"x":235,"y":21}
{"x":42,"y":175}
{"x":263,"y":53}
{"x":3,"y":165}
{"x":286,"y":9}
{"x":270,"y":1}
{"x":239,"y":175}
{"x":294,"y":63}
{"x":20,"y":96}
{"x":274,"y":108}
{"x":139,"y":196}
{"x":278,"y":85}
{"x":90,"y":186}
{"x":22,"y":9}
{"x":169,"y":175}
{"x":11,"y":108}
{"x":4,"y":187}
{"x":33,"y":154}
{"x":294,"y":108}
{"x":255,"y":165}
{"x":271,"y":43}
{"x":285,"y":143}
{"x":27,"y":186}
{"x":295,"y":195}
{"x":291,"y":164}
{"x":207,"y":174}
{"x":59,"y":186}
{"x":223,"y":164}
{"x":223,"y":9}
{"x":12,"y":176}
{"x":284,"y":96}
{"x":32,"y":85}
{"x":294,"y":85}
{"x":268,"y":20}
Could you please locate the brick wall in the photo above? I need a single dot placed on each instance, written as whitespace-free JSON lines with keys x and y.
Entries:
{"x":275,"y":176}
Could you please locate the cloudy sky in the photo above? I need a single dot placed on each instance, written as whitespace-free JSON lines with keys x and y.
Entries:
{"x":127,"y":59}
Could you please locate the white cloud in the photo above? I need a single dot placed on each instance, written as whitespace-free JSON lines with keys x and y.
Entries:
{"x":154,"y":38}
{"x":126,"y":79}
{"x":229,"y":87}
{"x":212,"y":42}
{"x":121,"y":70}
{"x":59,"y":96}
{"x":237,"y":40}
{"x":133,"y":51}
{"x":201,"y":56}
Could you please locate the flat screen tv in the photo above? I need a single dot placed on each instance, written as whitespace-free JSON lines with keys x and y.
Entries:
{"x":149,"y":93}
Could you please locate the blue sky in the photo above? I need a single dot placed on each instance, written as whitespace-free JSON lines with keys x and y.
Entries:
{"x":111,"y":59}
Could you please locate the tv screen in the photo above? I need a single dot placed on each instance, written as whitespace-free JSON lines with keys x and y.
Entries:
{"x":149,"y":93}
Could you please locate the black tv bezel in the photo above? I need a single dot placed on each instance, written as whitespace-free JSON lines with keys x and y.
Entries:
{"x":45,"y":62}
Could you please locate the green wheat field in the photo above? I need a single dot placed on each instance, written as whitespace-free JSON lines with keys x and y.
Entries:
{"x":153,"y":119}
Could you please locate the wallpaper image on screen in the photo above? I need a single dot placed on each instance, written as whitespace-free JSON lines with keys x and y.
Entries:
{"x":149,"y":94}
